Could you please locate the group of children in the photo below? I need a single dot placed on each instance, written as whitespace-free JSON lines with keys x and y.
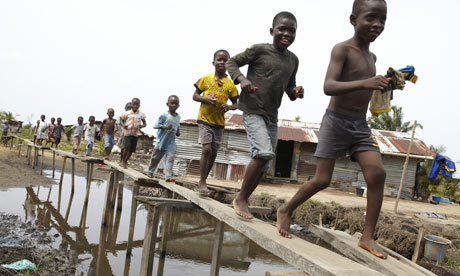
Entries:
{"x":350,"y":81}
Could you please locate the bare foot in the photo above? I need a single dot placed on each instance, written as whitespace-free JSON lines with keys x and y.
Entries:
{"x":123,"y":165}
{"x":283,"y":223}
{"x":371,"y":246}
{"x":242,"y":210}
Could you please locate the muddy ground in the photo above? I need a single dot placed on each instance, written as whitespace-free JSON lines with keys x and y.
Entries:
{"x":396,"y":232}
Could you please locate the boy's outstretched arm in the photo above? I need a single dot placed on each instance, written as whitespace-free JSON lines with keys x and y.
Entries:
{"x":333,"y":86}
{"x":233,"y":67}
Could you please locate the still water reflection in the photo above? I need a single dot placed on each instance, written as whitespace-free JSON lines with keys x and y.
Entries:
{"x":97,"y":240}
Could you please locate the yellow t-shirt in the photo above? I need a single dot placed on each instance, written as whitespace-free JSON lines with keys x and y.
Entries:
{"x":222,"y":90}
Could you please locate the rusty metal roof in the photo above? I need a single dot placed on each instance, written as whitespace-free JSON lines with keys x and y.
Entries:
{"x":390,"y":142}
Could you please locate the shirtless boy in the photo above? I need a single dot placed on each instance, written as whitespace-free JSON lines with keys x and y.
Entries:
{"x":108,"y":128}
{"x":350,"y":80}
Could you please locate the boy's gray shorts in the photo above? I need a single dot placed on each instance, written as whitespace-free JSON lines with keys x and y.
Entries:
{"x":340,"y":134}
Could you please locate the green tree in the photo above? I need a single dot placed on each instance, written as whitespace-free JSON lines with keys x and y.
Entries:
{"x":6,"y":115}
{"x":393,"y":121}
{"x":297,"y":118}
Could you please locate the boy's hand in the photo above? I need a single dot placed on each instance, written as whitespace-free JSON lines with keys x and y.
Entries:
{"x":211,"y":101}
{"x":376,"y":83}
{"x":224,"y":108}
{"x":167,"y":127}
{"x":247,"y":86}
{"x":298,"y":92}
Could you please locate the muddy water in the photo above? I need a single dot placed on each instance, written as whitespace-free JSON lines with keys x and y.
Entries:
{"x":78,"y":230}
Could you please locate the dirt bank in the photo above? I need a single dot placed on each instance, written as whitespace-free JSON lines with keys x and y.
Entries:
{"x":22,"y":240}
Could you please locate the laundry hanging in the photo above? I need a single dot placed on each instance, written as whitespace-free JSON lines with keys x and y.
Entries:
{"x":381,"y":100}
{"x":441,"y":165}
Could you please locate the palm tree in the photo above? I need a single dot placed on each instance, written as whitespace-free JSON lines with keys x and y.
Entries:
{"x":393,"y":122}
{"x":6,"y":115}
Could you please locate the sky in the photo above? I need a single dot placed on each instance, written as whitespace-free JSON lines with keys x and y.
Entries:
{"x":78,"y":58}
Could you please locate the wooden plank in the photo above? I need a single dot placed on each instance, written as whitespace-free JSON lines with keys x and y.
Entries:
{"x":141,"y":184}
{"x":285,"y":273}
{"x":179,"y":203}
{"x":421,"y":233}
{"x":348,"y":246}
{"x":299,"y":253}
{"x":131,"y":173}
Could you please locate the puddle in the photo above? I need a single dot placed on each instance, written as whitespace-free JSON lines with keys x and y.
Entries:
{"x":78,"y":230}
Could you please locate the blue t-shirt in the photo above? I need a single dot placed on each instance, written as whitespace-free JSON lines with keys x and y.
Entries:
{"x":5,"y":129}
{"x":167,"y":137}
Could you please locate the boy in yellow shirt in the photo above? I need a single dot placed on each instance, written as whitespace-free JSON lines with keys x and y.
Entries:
{"x":213,"y":91}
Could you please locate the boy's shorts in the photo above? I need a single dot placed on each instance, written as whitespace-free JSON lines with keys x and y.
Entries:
{"x":57,"y":140}
{"x":262,"y":135}
{"x":108,"y":141}
{"x":340,"y":133}
{"x":130,"y":143}
{"x":89,"y":146}
{"x":76,"y":141}
{"x":209,"y":134}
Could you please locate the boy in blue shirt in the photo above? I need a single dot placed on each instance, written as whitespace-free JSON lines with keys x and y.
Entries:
{"x":168,"y":128}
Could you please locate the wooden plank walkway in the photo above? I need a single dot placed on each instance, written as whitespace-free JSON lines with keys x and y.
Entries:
{"x":300,"y":253}
{"x":304,"y":255}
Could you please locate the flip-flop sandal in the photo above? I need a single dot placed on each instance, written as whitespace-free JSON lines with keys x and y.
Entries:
{"x":203,"y":191}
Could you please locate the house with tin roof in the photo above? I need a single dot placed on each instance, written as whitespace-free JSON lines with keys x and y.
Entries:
{"x":294,"y":161}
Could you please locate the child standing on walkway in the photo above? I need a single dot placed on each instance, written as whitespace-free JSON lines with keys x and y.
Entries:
{"x":271,"y":73}
{"x":350,"y":81}
{"x":108,"y":128}
{"x":213,"y":91}
{"x":89,"y":132}
{"x":77,"y":133}
{"x":58,"y":129}
{"x":50,"y":136}
{"x":168,"y":128}
{"x":132,"y":123}
{"x":121,"y":140}
{"x":41,"y":130}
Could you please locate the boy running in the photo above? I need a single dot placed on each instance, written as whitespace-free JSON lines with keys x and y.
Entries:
{"x":108,"y":128}
{"x":350,"y":80}
{"x":77,"y":133}
{"x":271,"y":73}
{"x":89,"y":132}
{"x":213,"y":91}
{"x":121,"y":140}
{"x":168,"y":128}
{"x":58,"y":132}
{"x":41,"y":130}
{"x":50,"y":136}
{"x":132,"y":123}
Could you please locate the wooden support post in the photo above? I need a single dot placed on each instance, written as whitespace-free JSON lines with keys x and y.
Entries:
{"x":217,"y":248}
{"x":88,"y":188}
{"x":41,"y":163}
{"x":132,"y":218}
{"x":54,"y":162}
{"x":35,"y":156}
{"x":148,"y":248}
{"x":12,"y":141}
{"x":69,"y":205}
{"x":60,"y":183}
{"x":108,"y":192}
{"x":19,"y":147}
{"x":28,"y":154}
{"x":401,"y":183}
{"x":167,"y":225}
{"x":421,"y":234}
{"x":73,"y":175}
{"x":49,"y":193}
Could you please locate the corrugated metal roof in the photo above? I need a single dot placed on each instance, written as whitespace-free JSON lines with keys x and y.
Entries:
{"x":390,"y":142}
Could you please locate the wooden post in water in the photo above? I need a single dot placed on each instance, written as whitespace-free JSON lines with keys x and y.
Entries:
{"x":405,"y":167}
{"x":73,"y":175}
{"x":164,"y":239}
{"x":41,"y":163}
{"x":148,"y":248}
{"x":54,"y":162}
{"x":217,"y":248}
{"x":132,"y":218}
{"x":35,"y":156}
{"x":28,"y":154}
{"x":421,"y":233}
{"x":60,"y":182}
